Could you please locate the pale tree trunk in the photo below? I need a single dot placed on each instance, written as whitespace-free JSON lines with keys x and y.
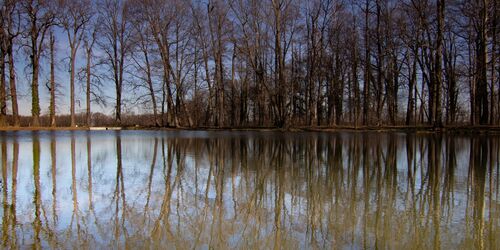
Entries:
{"x":177,"y":76}
{"x":3,"y":96}
{"x":411,"y":85}
{"x":171,"y":112}
{"x":121,"y":64}
{"x":115,"y":43}
{"x":88,"y":73}
{"x":195,"y":83}
{"x":217,"y":47}
{"x":52,"y":88}
{"x":233,"y":87}
{"x":202,"y":41}
{"x":150,"y":83}
{"x":72,"y":86}
{"x":7,"y":36}
{"x":74,"y":19}
{"x":278,"y":67}
{"x":13,"y":90}
{"x":163,"y":47}
{"x":208,"y":114}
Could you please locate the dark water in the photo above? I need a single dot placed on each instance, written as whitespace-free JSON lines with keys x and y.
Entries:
{"x":256,"y":190}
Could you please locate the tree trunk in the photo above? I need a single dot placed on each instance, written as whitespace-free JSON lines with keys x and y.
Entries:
{"x":481,"y":68}
{"x":472,"y":81}
{"x":355,"y":80}
{"x":494,"y":55}
{"x":233,"y":88}
{"x":118,"y":115}
{"x":52,"y":108}
{"x":13,"y":90}
{"x":496,"y":52}
{"x":171,"y":112}
{"x":437,"y":120}
{"x":35,"y":100}
{"x":379,"y":99}
{"x":151,"y":89}
{"x":411,"y":86}
{"x":3,"y":95}
{"x":72,"y":86}
{"x":88,"y":82}
{"x":367,"y":69}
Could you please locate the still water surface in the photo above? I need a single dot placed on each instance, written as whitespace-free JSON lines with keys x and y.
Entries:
{"x":250,"y":190}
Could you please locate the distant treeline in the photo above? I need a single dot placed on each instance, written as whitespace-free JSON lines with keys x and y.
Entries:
{"x":237,"y":63}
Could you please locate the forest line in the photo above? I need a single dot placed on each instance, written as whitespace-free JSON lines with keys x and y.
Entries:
{"x":252,"y":63}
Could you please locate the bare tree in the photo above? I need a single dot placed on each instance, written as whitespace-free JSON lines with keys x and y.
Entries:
{"x":274,"y":63}
{"x":143,"y":60}
{"x":74,"y":17}
{"x":217,"y":24}
{"x":11,"y":29}
{"x":284,"y":13}
{"x":160,"y":15}
{"x":115,"y":35}
{"x":88,"y":45}
{"x":39,"y":17}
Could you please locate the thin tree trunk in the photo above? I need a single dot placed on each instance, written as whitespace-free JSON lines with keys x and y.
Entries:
{"x":379,"y":98}
{"x":367,"y":69}
{"x":496,"y":52}
{"x":35,"y":101}
{"x":72,"y":86}
{"x":472,"y":81}
{"x":3,"y":95}
{"x":357,"y":99}
{"x":437,"y":121}
{"x":481,"y":61}
{"x":411,"y":86}
{"x":493,"y":32}
{"x":88,"y":82}
{"x":13,"y":90}
{"x":151,"y":89}
{"x":195,"y":85}
{"x":233,"y":88}
{"x":171,"y":113}
{"x":52,"y":107}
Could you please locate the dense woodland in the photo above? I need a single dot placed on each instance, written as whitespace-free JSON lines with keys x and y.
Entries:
{"x":254,"y":63}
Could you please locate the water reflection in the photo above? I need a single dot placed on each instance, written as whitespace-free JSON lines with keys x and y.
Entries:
{"x":249,"y":190}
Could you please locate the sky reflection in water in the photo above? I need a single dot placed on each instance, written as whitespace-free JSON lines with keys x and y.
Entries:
{"x":184,"y":190}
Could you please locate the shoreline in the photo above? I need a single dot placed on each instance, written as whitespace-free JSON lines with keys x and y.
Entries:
{"x":421,"y":129}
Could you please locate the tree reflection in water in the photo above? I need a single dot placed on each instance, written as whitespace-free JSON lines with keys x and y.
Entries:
{"x":151,"y":189}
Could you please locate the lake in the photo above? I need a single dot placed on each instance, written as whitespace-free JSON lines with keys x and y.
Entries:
{"x":249,"y":190}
